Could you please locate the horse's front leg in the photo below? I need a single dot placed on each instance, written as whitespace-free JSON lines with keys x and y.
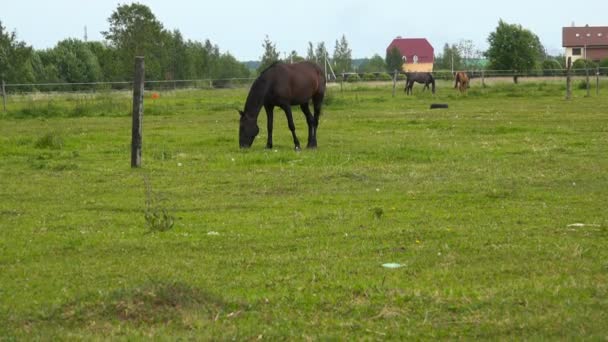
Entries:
{"x":269,"y":123}
{"x":292,"y":127}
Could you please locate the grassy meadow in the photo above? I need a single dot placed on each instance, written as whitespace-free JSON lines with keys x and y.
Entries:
{"x":494,"y":209}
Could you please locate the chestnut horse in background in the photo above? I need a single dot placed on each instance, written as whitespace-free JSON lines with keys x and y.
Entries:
{"x":462,"y":81}
{"x":284,"y":85}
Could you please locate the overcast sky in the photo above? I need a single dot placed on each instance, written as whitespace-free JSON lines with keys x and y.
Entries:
{"x":369,"y":26}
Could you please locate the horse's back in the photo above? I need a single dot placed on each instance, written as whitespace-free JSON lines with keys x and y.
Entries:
{"x":297,"y":82}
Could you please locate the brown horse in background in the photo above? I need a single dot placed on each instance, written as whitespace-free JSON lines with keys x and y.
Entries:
{"x":425,"y":78}
{"x":283,"y":85}
{"x":462,"y":81}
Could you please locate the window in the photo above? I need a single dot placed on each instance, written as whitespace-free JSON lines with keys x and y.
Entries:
{"x":415,"y":59}
{"x":576,"y":51}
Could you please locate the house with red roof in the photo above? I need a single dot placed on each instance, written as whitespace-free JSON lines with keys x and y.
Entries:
{"x":587,"y":42}
{"x":417,"y":53}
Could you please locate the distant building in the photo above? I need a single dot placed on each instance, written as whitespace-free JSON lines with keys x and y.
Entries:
{"x":587,"y":42}
{"x":418,"y":54}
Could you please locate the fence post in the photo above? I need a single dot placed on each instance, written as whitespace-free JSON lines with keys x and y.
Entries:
{"x":138,"y":112}
{"x":4,"y":95}
{"x":597,"y":81}
{"x":342,"y":83}
{"x":394,"y":81}
{"x":483,"y":79}
{"x":587,"y":79}
{"x":568,"y":80}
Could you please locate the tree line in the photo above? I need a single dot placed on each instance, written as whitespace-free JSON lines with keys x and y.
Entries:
{"x":135,"y":31}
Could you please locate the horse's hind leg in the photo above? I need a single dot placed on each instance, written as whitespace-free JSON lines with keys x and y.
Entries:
{"x":270,"y":117}
{"x":317,"y":103}
{"x":310,"y":120}
{"x":292,"y":127}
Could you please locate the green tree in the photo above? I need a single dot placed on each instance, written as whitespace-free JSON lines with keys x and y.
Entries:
{"x":74,"y":61}
{"x":15,"y":58}
{"x":294,"y":58}
{"x":135,"y":31}
{"x":342,"y":57}
{"x":107,"y":57}
{"x":394,"y":60}
{"x":374,"y":64}
{"x":513,"y":48}
{"x":229,"y":67}
{"x":466,"y":50}
{"x":270,"y":55}
{"x":198,"y":60}
{"x":321,"y":53}
{"x":449,"y":59}
{"x":175,"y":60}
{"x":44,"y":70}
{"x":310,"y":53}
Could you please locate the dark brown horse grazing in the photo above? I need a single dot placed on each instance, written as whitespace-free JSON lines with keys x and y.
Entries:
{"x":425,"y":78}
{"x":462,"y":81}
{"x":283,"y":85}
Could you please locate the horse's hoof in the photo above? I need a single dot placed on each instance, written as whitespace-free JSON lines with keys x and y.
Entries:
{"x":298,"y":149}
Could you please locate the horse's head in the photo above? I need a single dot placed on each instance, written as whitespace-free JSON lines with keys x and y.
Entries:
{"x":248,"y":129}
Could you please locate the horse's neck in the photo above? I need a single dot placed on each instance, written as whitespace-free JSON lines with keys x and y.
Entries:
{"x":255,"y":99}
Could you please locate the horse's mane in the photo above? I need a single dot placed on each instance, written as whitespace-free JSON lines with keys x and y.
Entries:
{"x":270,"y":66}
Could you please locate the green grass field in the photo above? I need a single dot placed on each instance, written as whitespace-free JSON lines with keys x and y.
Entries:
{"x":495,"y":208}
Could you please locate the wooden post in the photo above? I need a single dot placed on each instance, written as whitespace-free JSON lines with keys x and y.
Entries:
{"x":342,"y":83}
{"x":587,"y":79}
{"x":568,"y":79}
{"x":597,"y":81}
{"x":483,"y":79}
{"x":138,"y":112}
{"x":4,"y":95}
{"x":394,"y":82}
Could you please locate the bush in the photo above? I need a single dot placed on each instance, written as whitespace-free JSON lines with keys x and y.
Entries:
{"x":369,"y":77}
{"x":384,"y":77}
{"x":604,"y":66}
{"x":582,"y":85}
{"x":551,"y":67}
{"x":583,"y":64}
{"x":353,"y":78}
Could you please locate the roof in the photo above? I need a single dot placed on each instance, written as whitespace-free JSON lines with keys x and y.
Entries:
{"x":585,"y":36}
{"x":410,"y":47}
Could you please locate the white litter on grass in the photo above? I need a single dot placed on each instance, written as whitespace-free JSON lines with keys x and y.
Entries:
{"x":213,"y":233}
{"x":179,"y":164}
{"x":392,"y":265}
{"x":578,"y":225}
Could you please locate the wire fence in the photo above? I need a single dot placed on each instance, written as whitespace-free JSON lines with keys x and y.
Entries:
{"x":222,"y":83}
{"x":116,"y":92}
